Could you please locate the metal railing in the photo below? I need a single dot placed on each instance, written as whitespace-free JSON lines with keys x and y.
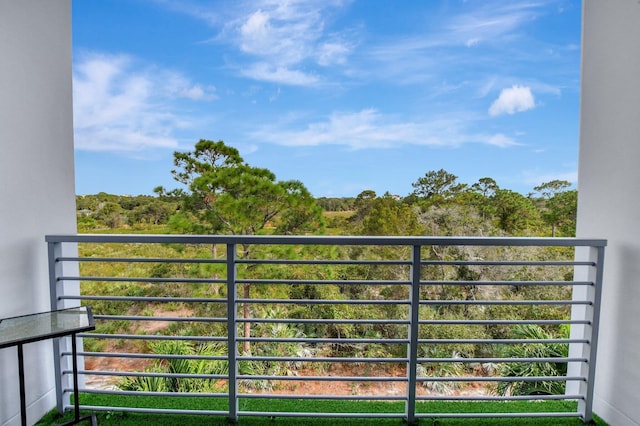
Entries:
{"x":408,"y":319}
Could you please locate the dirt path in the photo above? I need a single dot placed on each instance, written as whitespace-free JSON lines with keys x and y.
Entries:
{"x":285,"y":387}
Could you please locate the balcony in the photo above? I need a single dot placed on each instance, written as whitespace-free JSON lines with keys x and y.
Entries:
{"x":236,"y":320}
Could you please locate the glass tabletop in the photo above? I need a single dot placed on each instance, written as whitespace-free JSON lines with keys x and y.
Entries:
{"x":45,"y":325}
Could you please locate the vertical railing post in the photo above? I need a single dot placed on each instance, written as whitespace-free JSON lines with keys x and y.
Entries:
{"x":232,"y":332}
{"x":58,"y":287}
{"x":589,"y":332}
{"x":412,"y":350}
{"x":595,"y":327}
{"x":55,"y":270}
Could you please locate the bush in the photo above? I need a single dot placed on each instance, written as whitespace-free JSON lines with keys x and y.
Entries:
{"x":533,"y":369}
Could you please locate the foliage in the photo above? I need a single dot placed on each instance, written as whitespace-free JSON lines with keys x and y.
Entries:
{"x":515,"y":213}
{"x":333,"y":204}
{"x":118,"y":211}
{"x":437,"y":186}
{"x":223,"y":194}
{"x":533,"y":369}
{"x":384,"y":215}
{"x":559,"y":206}
{"x":189,"y":366}
{"x":226,"y":195}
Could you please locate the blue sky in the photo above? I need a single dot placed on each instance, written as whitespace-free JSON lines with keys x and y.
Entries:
{"x":342,"y":95}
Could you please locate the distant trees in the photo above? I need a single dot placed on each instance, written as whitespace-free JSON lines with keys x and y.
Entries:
{"x":116,"y":211}
{"x":336,"y":204}
{"x":385,"y":215}
{"x":437,"y":186}
{"x":509,"y":211}
{"x":560,"y":206}
{"x":224,"y":194}
{"x":482,"y":193}
{"x":514,"y":212}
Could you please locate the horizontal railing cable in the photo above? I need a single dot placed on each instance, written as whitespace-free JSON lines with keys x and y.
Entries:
{"x":164,"y":299}
{"x":504,"y":283}
{"x":161,"y":319}
{"x":505,"y":302}
{"x":146,"y":356}
{"x":140,"y":260}
{"x":145,"y":280}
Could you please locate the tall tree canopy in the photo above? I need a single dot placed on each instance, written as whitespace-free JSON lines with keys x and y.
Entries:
{"x":560,"y":206}
{"x":227,"y":195}
{"x":436,"y":186}
{"x":384,"y":216}
{"x":514,"y":211}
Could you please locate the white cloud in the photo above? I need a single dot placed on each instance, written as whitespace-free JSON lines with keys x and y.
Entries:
{"x":491,"y":22}
{"x":195,"y":93}
{"x":467,"y":41}
{"x":267,"y":72}
{"x":512,"y":100}
{"x":255,"y":32}
{"x":279,"y":38}
{"x":501,"y":141}
{"x":176,"y":85}
{"x":331,"y":53}
{"x":369,"y":128}
{"x":122,"y":106}
{"x":472,"y":42}
{"x":282,"y":35}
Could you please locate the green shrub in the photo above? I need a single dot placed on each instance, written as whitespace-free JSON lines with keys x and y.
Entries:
{"x":533,"y":369}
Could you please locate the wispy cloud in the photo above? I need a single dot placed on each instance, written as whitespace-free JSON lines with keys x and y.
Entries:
{"x":369,"y":128}
{"x":265,"y":71}
{"x":500,"y":140}
{"x":278,"y":38}
{"x":474,"y":42}
{"x":512,"y":100}
{"x":490,"y":22}
{"x":121,"y":105}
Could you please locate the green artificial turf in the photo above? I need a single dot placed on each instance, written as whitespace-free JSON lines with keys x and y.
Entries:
{"x":284,"y":405}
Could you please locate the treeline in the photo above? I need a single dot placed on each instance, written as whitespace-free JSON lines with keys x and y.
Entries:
{"x":443,"y":206}
{"x":104,"y":210}
{"x":438,"y":205}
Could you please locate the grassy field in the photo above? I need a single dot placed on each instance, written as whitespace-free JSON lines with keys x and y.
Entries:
{"x":195,"y":403}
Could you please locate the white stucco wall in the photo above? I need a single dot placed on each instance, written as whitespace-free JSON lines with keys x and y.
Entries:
{"x":37,"y":179}
{"x":609,"y":185}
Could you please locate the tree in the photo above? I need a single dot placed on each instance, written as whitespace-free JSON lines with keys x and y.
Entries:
{"x":563,"y":209}
{"x":363,"y":204}
{"x":302,"y":213}
{"x":111,"y":214}
{"x":226,"y":195}
{"x":560,"y":205}
{"x":154,"y":211}
{"x":485,"y":188}
{"x":387,"y":216}
{"x":514,"y":211}
{"x":437,"y":186}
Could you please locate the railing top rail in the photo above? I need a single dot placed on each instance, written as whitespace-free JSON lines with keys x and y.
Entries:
{"x":325,"y":240}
